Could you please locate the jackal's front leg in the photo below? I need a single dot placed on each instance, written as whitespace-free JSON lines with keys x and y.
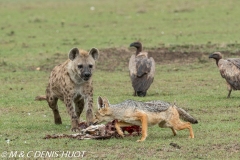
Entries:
{"x":118,"y":126}
{"x":143,"y":118}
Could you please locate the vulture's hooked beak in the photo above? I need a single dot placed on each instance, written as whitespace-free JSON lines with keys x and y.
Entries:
{"x":211,"y":56}
{"x":132,"y":45}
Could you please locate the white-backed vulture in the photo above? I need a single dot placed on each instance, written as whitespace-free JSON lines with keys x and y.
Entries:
{"x":142,"y":70}
{"x":229,"y":69}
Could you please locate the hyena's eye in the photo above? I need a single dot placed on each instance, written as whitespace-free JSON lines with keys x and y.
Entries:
{"x":90,"y":66}
{"x":80,"y":66}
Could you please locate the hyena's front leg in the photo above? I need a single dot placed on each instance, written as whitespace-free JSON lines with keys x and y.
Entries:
{"x":89,"y":113}
{"x":79,"y":105}
{"x":88,"y":102}
{"x":71,"y":111}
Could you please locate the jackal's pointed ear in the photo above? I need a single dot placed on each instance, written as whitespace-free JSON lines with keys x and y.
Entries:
{"x":100,"y":103}
{"x":174,"y":104}
{"x":107,"y":101}
{"x":94,"y":53}
{"x":73,"y":53}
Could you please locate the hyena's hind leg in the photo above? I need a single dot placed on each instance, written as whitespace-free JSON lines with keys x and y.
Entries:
{"x":52,"y":103}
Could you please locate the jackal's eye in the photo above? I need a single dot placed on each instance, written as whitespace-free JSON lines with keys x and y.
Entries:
{"x":80,"y":66}
{"x":90,"y":66}
{"x":101,"y":107}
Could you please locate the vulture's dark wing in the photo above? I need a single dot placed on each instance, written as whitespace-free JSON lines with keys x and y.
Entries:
{"x":142,"y":84}
{"x":142,"y":72}
{"x":235,"y":61}
{"x":230,"y":72}
{"x":145,"y":73}
{"x":143,"y":66}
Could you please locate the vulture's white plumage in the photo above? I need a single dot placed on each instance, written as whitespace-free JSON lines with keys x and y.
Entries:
{"x":142,"y":70}
{"x":229,"y":69}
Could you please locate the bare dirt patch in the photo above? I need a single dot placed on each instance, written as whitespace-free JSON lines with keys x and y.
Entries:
{"x":112,"y":59}
{"x":115,"y":58}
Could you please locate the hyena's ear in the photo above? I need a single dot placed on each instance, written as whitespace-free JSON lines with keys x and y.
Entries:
{"x":94,"y":53}
{"x":100,"y":103}
{"x":73,"y":53}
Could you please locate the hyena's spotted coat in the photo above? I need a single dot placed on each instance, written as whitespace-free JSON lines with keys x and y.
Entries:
{"x":71,"y":82}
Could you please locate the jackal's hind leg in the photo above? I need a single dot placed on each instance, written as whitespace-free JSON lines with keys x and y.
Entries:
{"x":174,"y":131}
{"x":184,"y":125}
{"x":163,"y":124}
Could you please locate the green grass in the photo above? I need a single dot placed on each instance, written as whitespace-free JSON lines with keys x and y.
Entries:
{"x":40,"y":34}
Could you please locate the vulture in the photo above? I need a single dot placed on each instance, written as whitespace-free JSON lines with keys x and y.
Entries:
{"x":229,"y":69}
{"x":142,"y":70}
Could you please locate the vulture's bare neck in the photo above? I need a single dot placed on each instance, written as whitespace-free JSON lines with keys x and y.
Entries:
{"x":217,"y":61}
{"x":139,"y":50}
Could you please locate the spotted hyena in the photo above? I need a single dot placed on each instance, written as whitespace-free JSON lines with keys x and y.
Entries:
{"x":71,"y":82}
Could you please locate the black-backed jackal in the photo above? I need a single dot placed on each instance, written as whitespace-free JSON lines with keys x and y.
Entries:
{"x":144,"y":114}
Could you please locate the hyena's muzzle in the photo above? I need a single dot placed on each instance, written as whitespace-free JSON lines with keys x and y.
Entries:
{"x":86,"y":72}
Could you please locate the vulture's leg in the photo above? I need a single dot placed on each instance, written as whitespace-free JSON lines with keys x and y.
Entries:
{"x":229,"y":93}
{"x":141,"y":93}
{"x":229,"y":90}
{"x":134,"y":93}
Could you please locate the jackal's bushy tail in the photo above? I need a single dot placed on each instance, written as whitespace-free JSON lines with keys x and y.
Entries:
{"x":185,"y":116}
{"x":41,"y":98}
